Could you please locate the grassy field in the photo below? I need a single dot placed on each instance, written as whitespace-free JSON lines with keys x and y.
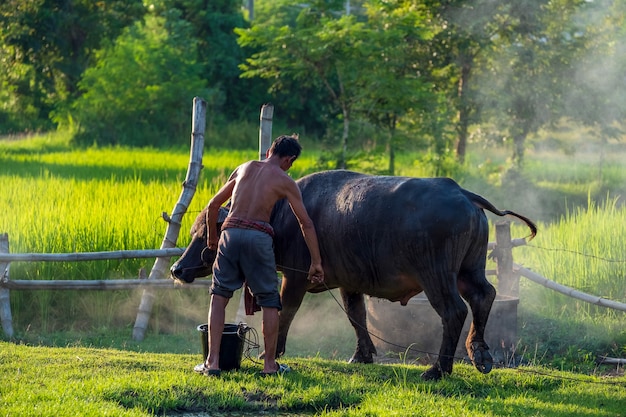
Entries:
{"x":43,"y":381}
{"x":59,"y":199}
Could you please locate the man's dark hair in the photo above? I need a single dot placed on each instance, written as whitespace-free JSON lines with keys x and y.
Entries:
{"x":286,"y":146}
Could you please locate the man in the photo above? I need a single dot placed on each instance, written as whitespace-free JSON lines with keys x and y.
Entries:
{"x":246,"y":245}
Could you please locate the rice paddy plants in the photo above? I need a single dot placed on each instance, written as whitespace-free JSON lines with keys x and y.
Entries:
{"x":59,"y":199}
{"x":63,"y":200}
{"x":583,"y":250}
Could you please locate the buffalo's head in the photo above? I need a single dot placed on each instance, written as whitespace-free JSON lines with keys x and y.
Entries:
{"x":197,"y":260}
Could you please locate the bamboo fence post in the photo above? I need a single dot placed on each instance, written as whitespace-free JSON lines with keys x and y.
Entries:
{"x":265,"y":141}
{"x":508,"y":280}
{"x":161,"y":265}
{"x":265,"y":129}
{"x":5,"y":297}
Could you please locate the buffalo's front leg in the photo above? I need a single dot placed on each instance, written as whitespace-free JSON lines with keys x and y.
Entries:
{"x":354,"y":304}
{"x":292,"y":292}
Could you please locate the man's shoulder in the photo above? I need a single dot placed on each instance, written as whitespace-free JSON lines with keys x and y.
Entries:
{"x":247,"y":164}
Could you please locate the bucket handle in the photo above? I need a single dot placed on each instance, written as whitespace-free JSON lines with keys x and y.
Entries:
{"x":242,"y":329}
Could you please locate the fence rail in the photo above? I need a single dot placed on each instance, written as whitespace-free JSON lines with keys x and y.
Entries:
{"x":570,"y":292}
{"x":508,"y":279}
{"x":90,"y":256}
{"x":99,"y":284}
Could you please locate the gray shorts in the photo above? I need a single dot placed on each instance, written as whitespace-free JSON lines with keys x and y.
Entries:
{"x":245,"y":254}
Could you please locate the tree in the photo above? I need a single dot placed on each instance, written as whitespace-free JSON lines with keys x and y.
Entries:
{"x":399,"y":82}
{"x":139,"y":90}
{"x":47,"y":44}
{"x":212,"y":26}
{"x":465,"y":30}
{"x":320,"y":50}
{"x":530,"y":68}
{"x":305,"y":107}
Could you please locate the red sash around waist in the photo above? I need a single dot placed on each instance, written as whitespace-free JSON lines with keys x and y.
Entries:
{"x":238,"y":223}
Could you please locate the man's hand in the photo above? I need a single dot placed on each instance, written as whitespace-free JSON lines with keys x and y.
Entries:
{"x":316,"y":274}
{"x":212,"y":243}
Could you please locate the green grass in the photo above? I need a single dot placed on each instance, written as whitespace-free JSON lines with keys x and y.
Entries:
{"x":70,"y":381}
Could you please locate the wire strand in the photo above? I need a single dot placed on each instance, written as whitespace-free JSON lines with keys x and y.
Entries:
{"x":578,"y":253}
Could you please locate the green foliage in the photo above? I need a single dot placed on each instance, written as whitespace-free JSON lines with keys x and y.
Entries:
{"x":212,"y":26}
{"x":134,"y":95}
{"x":366,"y":69}
{"x":431,"y":70}
{"x":46,"y":46}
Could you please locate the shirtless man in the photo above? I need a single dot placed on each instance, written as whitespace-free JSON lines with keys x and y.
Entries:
{"x":246,"y":245}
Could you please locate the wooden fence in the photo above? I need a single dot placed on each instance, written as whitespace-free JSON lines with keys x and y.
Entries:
{"x":7,"y":284}
{"x":507,"y":272}
{"x":508,"y":279}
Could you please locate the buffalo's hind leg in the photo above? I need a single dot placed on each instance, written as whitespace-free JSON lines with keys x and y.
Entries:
{"x":479,"y":294}
{"x":448,"y":304}
{"x":354,"y":304}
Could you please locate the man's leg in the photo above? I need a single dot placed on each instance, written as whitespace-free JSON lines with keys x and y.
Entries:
{"x":217,"y":316}
{"x":270,"y":338}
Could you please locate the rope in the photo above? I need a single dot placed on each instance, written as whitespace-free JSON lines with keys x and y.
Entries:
{"x":366,"y":329}
{"x":497,"y":366}
{"x":246,"y":333}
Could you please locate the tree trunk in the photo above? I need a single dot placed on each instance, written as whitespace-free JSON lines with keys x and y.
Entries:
{"x":518,"y":149}
{"x":464,"y":106}
{"x":391,"y":146}
{"x":344,"y":137}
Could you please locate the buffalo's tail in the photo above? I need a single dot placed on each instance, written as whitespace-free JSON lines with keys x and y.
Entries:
{"x":482,"y":203}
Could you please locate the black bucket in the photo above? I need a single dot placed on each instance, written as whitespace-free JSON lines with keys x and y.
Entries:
{"x":231,"y":348}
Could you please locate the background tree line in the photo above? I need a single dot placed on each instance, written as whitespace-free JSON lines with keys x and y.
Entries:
{"x":382,"y":75}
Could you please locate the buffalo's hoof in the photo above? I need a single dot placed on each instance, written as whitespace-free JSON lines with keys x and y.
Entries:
{"x":432,"y":374}
{"x":361,"y":359}
{"x":481,"y":358}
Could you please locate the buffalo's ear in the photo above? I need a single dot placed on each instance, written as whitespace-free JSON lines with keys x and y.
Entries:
{"x":199,"y":225}
{"x":194,"y":228}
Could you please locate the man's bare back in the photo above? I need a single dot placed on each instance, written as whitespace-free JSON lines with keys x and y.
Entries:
{"x":258,"y":186}
{"x":253,"y":188}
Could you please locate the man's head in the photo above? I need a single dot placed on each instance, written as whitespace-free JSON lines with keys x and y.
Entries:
{"x":286,"y":146}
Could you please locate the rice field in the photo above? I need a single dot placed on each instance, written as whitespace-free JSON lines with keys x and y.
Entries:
{"x":56,"y":199}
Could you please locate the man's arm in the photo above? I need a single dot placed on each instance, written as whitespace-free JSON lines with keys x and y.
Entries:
{"x":215,"y":203}
{"x":316,"y":272}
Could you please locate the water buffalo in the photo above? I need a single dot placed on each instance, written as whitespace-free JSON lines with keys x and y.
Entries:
{"x":388,"y":237}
